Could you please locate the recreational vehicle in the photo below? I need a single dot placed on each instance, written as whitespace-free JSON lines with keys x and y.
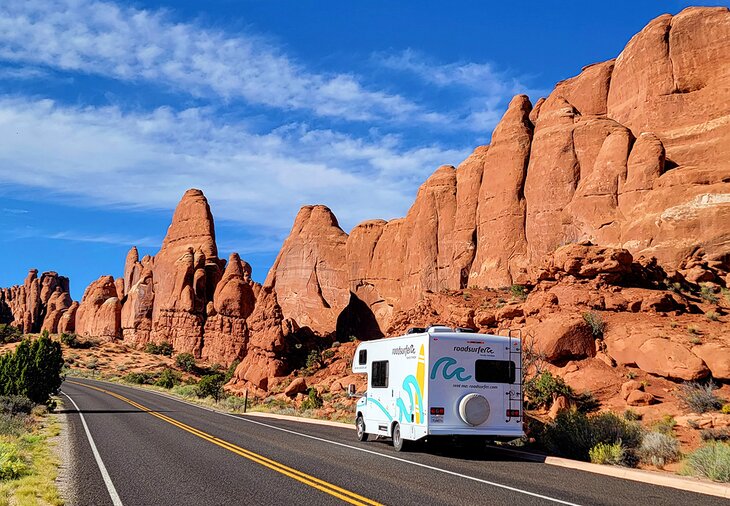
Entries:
{"x":440,"y":381}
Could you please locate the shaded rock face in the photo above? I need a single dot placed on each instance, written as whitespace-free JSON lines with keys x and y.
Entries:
{"x":38,"y":304}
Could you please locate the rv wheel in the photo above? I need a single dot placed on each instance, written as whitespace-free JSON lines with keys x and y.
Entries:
{"x":360,"y":425}
{"x":399,"y":443}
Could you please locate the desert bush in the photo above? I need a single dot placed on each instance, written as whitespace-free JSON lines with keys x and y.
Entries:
{"x":10,"y":334}
{"x":12,"y":464}
{"x":185,"y":361}
{"x":712,"y":460}
{"x":717,"y":434}
{"x":665,"y":425}
{"x":210,"y":385}
{"x":725,"y":410}
{"x":659,"y":449}
{"x":186,"y":391}
{"x":707,"y":293}
{"x":168,"y":378}
{"x":693,"y":329}
{"x":596,"y":322}
{"x":15,"y":404}
{"x":699,"y":397}
{"x":33,"y":370}
{"x":13,"y":425}
{"x":313,"y":400}
{"x":610,"y":454}
{"x":573,"y":434}
{"x":518,"y":291}
{"x":631,"y":415}
{"x":712,"y":316}
{"x":164,"y":348}
{"x":137,"y":378}
{"x":543,"y":388}
{"x":70,"y":340}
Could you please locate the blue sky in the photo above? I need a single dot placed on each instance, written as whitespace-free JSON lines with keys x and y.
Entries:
{"x":110,"y":111}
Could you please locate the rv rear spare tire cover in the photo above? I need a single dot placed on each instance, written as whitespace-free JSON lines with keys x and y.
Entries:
{"x":474,"y":409}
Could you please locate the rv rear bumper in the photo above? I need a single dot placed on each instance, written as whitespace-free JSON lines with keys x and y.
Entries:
{"x":472,"y":431}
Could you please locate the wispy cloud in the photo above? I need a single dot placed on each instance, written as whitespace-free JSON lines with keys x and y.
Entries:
{"x":13,"y":211}
{"x":486,"y":89}
{"x":116,"y":239}
{"x":105,"y":157}
{"x":130,"y":44}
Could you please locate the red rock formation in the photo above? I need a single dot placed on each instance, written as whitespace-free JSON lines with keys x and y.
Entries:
{"x":38,"y":304}
{"x":99,"y":314}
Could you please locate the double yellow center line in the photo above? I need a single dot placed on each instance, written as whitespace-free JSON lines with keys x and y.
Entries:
{"x":326,"y":487}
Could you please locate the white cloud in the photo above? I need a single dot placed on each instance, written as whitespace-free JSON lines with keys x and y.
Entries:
{"x":104,"y":157}
{"x":487,"y":89}
{"x":134,"y":45}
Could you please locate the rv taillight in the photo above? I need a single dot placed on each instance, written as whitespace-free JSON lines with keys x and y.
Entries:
{"x":437,"y":411}
{"x":513,"y":412}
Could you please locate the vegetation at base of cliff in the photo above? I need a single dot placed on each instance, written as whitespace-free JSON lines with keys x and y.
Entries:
{"x":596,"y":322}
{"x":712,"y":460}
{"x":185,"y":361}
{"x":28,"y":467}
{"x":699,"y":397}
{"x":164,"y":348}
{"x":33,"y":370}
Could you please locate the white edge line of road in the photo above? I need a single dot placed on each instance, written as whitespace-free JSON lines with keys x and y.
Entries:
{"x":102,"y":468}
{"x":406,"y":461}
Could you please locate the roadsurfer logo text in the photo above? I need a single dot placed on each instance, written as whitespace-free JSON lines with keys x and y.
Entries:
{"x":481,"y":350}
{"x":405,"y":350}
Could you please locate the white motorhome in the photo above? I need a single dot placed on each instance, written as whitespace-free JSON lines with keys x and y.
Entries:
{"x":440,"y":382}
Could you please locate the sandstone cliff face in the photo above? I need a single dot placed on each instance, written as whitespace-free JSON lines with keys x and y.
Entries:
{"x":38,"y":304}
{"x":632,"y":153}
{"x":99,"y":313}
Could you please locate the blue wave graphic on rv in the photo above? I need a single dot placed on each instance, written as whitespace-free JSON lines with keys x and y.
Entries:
{"x":446,"y":371}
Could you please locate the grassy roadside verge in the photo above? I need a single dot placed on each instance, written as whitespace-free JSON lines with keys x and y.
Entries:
{"x":28,"y":463}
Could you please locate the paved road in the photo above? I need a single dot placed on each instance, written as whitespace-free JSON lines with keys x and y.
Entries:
{"x":159,"y":451}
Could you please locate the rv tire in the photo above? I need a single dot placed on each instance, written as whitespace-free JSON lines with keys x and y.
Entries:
{"x":399,"y":443}
{"x":360,"y":426}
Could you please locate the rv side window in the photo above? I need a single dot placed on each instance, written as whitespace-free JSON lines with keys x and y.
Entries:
{"x":362,"y":357}
{"x":495,"y":371}
{"x":379,"y":374}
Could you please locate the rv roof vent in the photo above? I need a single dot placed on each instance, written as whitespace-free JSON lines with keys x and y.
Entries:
{"x":464,"y":329}
{"x":416,"y":330}
{"x":439,"y":328}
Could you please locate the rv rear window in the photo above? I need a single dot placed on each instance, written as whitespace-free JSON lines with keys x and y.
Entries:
{"x":362,"y":357}
{"x":495,"y":371}
{"x":379,"y":374}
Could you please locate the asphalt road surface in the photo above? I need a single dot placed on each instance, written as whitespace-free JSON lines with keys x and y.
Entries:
{"x":149,"y":449}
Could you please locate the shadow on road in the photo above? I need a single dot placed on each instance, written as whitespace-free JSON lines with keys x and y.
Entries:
{"x":465,"y":451}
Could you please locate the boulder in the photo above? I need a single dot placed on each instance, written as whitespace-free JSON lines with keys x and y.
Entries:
{"x":670,"y":360}
{"x":640,"y":398}
{"x":717,"y":358}
{"x":561,"y":338}
{"x":297,"y":386}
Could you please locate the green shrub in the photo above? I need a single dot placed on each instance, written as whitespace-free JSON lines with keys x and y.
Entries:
{"x":186,"y":391}
{"x":665,"y":425}
{"x":595,"y":321}
{"x":327,"y":354}
{"x":12,"y":464}
{"x":659,"y":449}
{"x":137,"y":378}
{"x":13,"y":425}
{"x":210,"y":385}
{"x":314,"y":360}
{"x":164,"y":348}
{"x":711,"y":460}
{"x":10,"y":334}
{"x":707,"y":293}
{"x":541,"y":389}
{"x":313,"y":400}
{"x":70,"y":340}
{"x":573,"y":434}
{"x":610,"y":454}
{"x":33,"y":370}
{"x":234,"y":403}
{"x":631,"y":415}
{"x":518,"y":291}
{"x":725,"y":410}
{"x":15,"y":404}
{"x":699,"y":397}
{"x":185,"y":361}
{"x":168,"y":378}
